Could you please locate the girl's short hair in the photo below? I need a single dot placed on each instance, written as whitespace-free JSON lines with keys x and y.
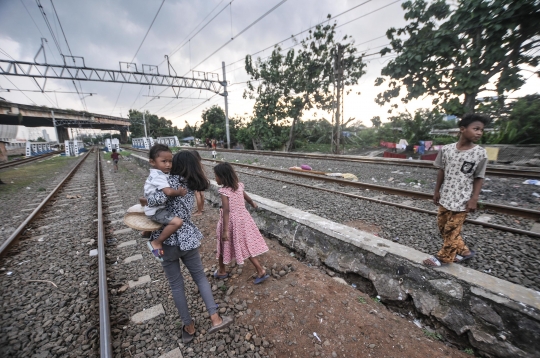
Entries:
{"x":156,"y":149}
{"x":473,"y":117}
{"x":227,"y":175}
{"x":187,"y":166}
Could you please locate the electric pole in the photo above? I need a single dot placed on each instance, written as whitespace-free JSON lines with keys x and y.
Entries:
{"x":225,"y":94}
{"x":55,"y":129}
{"x":338,"y":71}
{"x":144,"y":122}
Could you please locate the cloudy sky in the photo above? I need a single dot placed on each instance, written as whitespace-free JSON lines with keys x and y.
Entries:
{"x":108,"y":32}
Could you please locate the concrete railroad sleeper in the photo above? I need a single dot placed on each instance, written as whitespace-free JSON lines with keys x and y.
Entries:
{"x":20,"y":229}
{"x":14,"y":163}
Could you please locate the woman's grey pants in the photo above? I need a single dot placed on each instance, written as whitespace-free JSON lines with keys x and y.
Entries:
{"x":192,"y":261}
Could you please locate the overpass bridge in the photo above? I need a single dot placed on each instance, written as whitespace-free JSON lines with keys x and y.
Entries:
{"x":40,"y":116}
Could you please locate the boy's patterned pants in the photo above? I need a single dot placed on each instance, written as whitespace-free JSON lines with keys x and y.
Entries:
{"x":450,"y":223}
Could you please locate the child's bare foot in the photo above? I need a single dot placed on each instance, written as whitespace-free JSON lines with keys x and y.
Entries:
{"x":198,"y":213}
{"x":157,"y":246}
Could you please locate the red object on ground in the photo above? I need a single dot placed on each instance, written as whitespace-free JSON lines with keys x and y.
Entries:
{"x":394,"y":155}
{"x":432,"y":156}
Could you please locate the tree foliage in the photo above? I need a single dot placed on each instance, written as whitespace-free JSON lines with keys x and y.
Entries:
{"x":155,"y":126}
{"x":455,"y":53}
{"x":291,"y":83}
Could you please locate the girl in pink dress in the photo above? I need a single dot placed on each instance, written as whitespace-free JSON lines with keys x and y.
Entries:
{"x":238,"y":237}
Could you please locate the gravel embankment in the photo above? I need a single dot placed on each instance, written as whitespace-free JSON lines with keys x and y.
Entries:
{"x":163,"y":333}
{"x":49,"y":282}
{"x":511,"y":257}
{"x":25,"y":185}
{"x":506,"y":191}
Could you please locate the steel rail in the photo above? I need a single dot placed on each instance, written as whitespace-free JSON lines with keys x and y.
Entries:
{"x":26,"y":160}
{"x":105,"y":341}
{"x":504,"y":209}
{"x":407,"y":207}
{"x":18,"y":231}
{"x":513,"y":171}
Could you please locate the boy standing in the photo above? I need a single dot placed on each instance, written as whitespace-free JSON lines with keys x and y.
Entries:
{"x":115,"y":156}
{"x":462,"y":168}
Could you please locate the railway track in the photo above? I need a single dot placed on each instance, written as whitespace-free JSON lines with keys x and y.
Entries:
{"x":498,"y":170}
{"x":14,"y":163}
{"x":387,"y":190}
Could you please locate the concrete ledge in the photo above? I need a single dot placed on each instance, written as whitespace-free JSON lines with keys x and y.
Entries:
{"x":132,"y":258}
{"x":497,"y":317}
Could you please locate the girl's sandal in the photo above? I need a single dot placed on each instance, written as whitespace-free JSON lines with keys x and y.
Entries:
{"x":261,"y":279}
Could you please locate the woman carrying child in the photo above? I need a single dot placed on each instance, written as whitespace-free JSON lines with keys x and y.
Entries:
{"x":238,"y":237}
{"x":184,"y":245}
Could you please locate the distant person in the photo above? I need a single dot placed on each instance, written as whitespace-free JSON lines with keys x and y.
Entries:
{"x":199,"y":195}
{"x":115,"y":156}
{"x":156,"y":191}
{"x":207,"y":142}
{"x":213,"y":144}
{"x":187,"y":173}
{"x":238,"y":237}
{"x":462,"y":168}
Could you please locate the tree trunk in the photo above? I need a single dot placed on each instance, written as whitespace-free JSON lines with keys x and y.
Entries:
{"x":290,"y":141}
{"x":469,"y":103}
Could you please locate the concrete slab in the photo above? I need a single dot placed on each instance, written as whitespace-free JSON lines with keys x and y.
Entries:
{"x":148,"y":314}
{"x":117,"y":213}
{"x":25,"y":210}
{"x":175,"y":353}
{"x":133,"y":258}
{"x":408,"y":203}
{"x":115,"y":206}
{"x":379,"y":197}
{"x":43,"y":228}
{"x":484,"y":218}
{"x":127,"y":243}
{"x":536,"y":227}
{"x":140,"y":281}
{"x":122,"y":231}
{"x":115,"y":222}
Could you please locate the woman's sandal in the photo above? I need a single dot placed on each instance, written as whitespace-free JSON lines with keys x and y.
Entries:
{"x":155,"y":252}
{"x":226,"y":321}
{"x":186,"y":336}
{"x":433,"y":262}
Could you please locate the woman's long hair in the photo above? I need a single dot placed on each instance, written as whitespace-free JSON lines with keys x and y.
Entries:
{"x":186,"y":165}
{"x":227,"y":175}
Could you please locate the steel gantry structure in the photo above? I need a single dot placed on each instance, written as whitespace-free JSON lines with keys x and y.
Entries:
{"x":200,"y":80}
{"x":148,"y":76}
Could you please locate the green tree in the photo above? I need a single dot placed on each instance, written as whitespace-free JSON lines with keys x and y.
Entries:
{"x":522,"y":125}
{"x":155,"y":126}
{"x":289,"y":84}
{"x":419,"y":126}
{"x":376,"y":121}
{"x":453,"y":54}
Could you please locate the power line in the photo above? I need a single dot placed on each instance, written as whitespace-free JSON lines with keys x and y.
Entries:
{"x":20,"y":90}
{"x":244,"y":30}
{"x":144,"y":38}
{"x":301,"y":32}
{"x":81,"y":97}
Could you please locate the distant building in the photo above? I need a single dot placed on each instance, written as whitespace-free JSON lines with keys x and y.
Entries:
{"x":449,"y":117}
{"x":46,"y":136}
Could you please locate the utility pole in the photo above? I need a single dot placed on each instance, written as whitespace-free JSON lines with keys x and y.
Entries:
{"x":55,"y":129}
{"x":144,"y":122}
{"x":225,"y":94}
{"x":338,"y":70}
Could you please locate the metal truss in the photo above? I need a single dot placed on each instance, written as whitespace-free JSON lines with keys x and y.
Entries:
{"x":200,"y":80}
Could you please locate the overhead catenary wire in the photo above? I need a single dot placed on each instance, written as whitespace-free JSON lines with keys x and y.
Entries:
{"x":142,"y":42}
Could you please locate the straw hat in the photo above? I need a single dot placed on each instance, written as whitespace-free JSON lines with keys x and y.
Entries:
{"x":136,"y":219}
